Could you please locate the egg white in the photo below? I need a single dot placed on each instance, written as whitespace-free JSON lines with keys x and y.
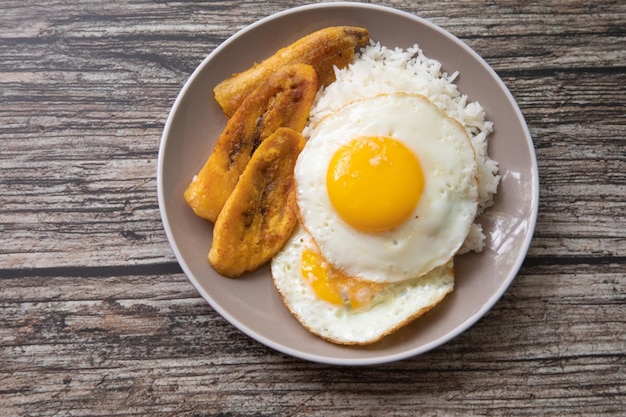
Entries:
{"x":443,"y":215}
{"x":396,"y":306}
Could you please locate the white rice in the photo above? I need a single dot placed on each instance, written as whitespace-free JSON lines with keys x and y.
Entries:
{"x":379,"y":70}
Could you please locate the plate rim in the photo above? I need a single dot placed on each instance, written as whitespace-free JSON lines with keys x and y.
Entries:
{"x":470,"y":320}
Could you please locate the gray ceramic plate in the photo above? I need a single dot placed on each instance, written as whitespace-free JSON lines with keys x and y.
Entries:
{"x":251,"y":303}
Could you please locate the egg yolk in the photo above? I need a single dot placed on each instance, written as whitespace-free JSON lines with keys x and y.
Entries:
{"x":374,"y":183}
{"x":333,"y":286}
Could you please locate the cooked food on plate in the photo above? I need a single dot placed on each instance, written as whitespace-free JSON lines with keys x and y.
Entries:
{"x":260,"y":214}
{"x":387,"y":187}
{"x":348,"y":311}
{"x":363,"y":214}
{"x":324,"y":49}
{"x":284,"y":100}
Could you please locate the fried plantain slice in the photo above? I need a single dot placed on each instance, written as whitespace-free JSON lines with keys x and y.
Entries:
{"x":323,"y":49}
{"x":326,"y":67}
{"x":283,"y":101}
{"x":260,"y":214}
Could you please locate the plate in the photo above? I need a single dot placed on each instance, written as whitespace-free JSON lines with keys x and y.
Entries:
{"x":251,"y":303}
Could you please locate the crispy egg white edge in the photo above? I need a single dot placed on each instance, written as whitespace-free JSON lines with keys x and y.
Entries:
{"x":398,"y":305}
{"x":389,"y":256}
{"x":378,"y":69}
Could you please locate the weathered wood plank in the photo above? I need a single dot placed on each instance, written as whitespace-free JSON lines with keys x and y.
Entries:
{"x":147,"y":340}
{"x":97,"y":319}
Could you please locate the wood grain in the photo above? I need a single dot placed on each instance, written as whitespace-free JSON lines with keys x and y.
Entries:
{"x":96,"y":317}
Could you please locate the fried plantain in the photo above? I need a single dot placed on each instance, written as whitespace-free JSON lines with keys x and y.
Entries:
{"x":260,"y":214}
{"x":283,"y":101}
{"x":323,"y":49}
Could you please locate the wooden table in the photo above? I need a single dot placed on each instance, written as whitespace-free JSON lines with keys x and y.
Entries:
{"x":96,"y":317}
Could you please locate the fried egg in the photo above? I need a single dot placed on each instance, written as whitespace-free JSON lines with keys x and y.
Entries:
{"x":345,"y":310}
{"x":387,"y":187}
